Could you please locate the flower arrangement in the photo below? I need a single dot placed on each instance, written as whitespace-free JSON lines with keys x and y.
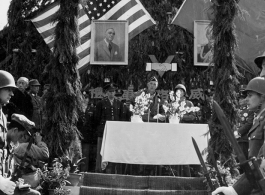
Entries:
{"x":175,"y":108}
{"x":55,"y":178}
{"x":142,"y":103}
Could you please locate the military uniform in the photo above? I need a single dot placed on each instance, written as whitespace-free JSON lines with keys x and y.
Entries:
{"x":3,"y":144}
{"x":105,"y":111}
{"x":37,"y":107}
{"x":245,"y":123}
{"x":256,"y":135}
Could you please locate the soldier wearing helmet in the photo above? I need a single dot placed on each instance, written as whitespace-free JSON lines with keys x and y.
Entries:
{"x":21,"y":102}
{"x":256,"y":102}
{"x":180,"y":92}
{"x":7,"y":84}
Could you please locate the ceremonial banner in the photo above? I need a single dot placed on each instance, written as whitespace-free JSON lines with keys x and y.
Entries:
{"x":131,"y":10}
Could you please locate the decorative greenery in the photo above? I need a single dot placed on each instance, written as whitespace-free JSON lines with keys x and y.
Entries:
{"x":225,"y":76}
{"x":64,"y":97}
{"x":55,"y":177}
{"x":70,"y":163}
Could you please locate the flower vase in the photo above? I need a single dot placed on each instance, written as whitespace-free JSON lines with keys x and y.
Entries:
{"x":174,"y":119}
{"x":136,"y":118}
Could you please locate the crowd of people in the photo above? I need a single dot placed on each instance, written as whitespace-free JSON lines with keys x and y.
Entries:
{"x":22,"y":112}
{"x":18,"y":147}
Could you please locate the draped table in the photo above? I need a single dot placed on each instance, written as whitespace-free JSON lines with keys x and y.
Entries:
{"x":152,"y":143}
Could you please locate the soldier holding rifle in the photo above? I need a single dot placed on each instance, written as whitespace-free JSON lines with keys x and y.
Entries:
{"x":253,"y":179}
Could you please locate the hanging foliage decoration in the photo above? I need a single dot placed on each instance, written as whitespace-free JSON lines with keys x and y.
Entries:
{"x":225,"y":75}
{"x":64,"y":98}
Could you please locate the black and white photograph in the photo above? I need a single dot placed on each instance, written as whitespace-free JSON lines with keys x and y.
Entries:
{"x":109,"y":42}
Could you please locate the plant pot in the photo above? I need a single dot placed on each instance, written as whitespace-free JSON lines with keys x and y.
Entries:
{"x":74,"y":179}
{"x":136,"y":118}
{"x":74,"y":189}
{"x":174,"y":119}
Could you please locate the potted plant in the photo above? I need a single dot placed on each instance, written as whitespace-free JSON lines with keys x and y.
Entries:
{"x":54,"y":178}
{"x":72,"y":166}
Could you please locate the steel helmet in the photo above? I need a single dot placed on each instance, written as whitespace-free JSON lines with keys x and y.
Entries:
{"x":257,"y":85}
{"x":180,"y":86}
{"x":6,"y":80}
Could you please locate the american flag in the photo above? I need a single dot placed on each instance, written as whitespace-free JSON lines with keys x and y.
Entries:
{"x":131,"y":10}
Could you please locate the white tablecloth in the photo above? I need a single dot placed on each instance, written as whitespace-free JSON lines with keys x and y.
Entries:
{"x":152,"y":143}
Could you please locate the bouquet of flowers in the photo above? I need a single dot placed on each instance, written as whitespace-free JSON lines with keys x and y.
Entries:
{"x":142,"y":103}
{"x":175,"y":108}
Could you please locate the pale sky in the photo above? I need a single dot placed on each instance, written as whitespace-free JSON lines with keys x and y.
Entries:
{"x":3,"y":12}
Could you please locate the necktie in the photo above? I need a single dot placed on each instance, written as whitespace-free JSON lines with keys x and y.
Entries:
{"x":110,"y":47}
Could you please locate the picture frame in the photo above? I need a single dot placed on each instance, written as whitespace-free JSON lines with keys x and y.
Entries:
{"x":101,"y":33}
{"x":202,"y":43}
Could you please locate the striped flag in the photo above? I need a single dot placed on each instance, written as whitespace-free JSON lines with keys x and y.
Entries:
{"x":131,"y":10}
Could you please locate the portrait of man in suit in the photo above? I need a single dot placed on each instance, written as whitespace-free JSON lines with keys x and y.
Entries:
{"x":106,"y":50}
{"x":109,"y":42}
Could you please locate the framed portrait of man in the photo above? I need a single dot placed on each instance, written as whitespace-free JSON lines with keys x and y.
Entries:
{"x":203,"y":43}
{"x":109,"y":42}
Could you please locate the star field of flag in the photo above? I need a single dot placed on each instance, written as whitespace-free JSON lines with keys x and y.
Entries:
{"x":98,"y":8}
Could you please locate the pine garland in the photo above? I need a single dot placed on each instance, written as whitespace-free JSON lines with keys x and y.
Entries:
{"x":64,"y":99}
{"x":225,"y":75}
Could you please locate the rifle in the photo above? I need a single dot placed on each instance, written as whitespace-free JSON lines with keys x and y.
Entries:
{"x":205,"y":171}
{"x":18,"y":171}
{"x":251,"y":166}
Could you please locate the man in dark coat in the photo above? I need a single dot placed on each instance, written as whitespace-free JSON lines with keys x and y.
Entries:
{"x":34,"y":86}
{"x":21,"y":101}
{"x":108,"y":109}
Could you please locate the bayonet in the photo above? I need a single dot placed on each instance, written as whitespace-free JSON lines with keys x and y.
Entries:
{"x":205,"y":171}
{"x":222,"y":182}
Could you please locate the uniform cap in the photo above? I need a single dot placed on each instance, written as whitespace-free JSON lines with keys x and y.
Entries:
{"x":34,"y":82}
{"x":153,"y":78}
{"x":21,"y":122}
{"x":119,"y":93}
{"x":110,"y":87}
